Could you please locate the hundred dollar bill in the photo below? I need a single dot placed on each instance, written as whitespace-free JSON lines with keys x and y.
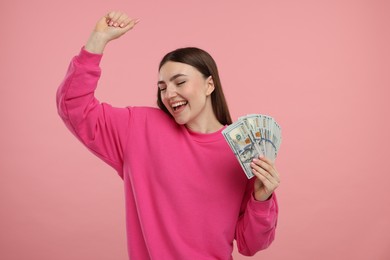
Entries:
{"x":277,"y":136}
{"x":253,"y":123}
{"x":268,"y":130}
{"x":241,"y":142}
{"x":270,"y":146}
{"x":253,"y":135}
{"x":262,"y":128}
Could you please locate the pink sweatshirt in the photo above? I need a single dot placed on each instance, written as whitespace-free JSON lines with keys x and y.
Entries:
{"x":186,"y":194}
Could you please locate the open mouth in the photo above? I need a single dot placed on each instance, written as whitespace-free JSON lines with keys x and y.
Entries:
{"x":178,"y":105}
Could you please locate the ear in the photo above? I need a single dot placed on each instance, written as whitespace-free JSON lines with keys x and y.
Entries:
{"x":210,"y":85}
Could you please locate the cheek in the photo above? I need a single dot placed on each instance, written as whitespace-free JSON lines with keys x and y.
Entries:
{"x":166,"y":103}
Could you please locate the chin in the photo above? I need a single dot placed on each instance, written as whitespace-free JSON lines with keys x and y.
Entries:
{"x":180,"y":121}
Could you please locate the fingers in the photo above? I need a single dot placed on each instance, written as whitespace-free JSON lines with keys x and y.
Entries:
{"x":119,"y":19}
{"x":265,"y":170}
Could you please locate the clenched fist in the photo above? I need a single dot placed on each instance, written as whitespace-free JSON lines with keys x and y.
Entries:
{"x":111,"y":26}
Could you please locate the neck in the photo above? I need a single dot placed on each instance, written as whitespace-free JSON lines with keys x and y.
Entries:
{"x":206,"y":122}
{"x":206,"y":129}
{"x":205,"y":126}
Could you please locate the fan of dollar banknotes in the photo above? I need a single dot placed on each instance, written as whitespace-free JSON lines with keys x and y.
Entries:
{"x":251,"y":136}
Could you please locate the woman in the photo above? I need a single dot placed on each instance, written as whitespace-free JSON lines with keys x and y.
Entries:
{"x":186,"y":195}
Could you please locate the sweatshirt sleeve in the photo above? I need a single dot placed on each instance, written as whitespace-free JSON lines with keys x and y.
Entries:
{"x":256,"y":226}
{"x":99,"y":126}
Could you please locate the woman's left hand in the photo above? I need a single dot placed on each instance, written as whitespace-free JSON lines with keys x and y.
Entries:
{"x":267,"y":178}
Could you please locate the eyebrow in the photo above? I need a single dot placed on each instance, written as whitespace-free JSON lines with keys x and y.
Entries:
{"x":171,"y":79}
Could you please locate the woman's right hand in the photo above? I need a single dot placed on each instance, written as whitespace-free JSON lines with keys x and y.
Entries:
{"x":111,"y":26}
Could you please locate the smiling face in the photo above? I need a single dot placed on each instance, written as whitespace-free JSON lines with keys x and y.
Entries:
{"x":203,"y":63}
{"x":185,"y":92}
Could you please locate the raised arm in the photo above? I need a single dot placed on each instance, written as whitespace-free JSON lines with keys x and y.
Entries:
{"x":99,"y":126}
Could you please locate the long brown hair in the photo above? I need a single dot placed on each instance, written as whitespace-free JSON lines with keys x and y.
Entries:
{"x":206,"y":65}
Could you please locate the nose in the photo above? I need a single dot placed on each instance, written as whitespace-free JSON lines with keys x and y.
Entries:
{"x":170,"y":92}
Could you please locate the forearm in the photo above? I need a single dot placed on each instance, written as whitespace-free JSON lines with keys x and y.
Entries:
{"x":76,"y":92}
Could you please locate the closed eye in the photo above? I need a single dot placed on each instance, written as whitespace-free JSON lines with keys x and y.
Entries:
{"x":161,"y":86}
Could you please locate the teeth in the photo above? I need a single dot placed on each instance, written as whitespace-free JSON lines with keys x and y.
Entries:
{"x":179,"y":104}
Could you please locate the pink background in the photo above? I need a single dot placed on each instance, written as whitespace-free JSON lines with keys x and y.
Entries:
{"x":321,"y":68}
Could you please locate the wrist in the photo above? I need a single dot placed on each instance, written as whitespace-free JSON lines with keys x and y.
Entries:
{"x":96,"y":43}
{"x":262,"y":197}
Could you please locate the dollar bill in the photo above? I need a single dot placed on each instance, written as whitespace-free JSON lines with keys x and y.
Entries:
{"x":253,"y":124}
{"x":253,"y":135}
{"x":269,"y":145}
{"x":241,"y":142}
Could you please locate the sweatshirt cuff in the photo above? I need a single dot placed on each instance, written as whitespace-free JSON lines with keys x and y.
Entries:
{"x":262,"y":207}
{"x":86,"y":57}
